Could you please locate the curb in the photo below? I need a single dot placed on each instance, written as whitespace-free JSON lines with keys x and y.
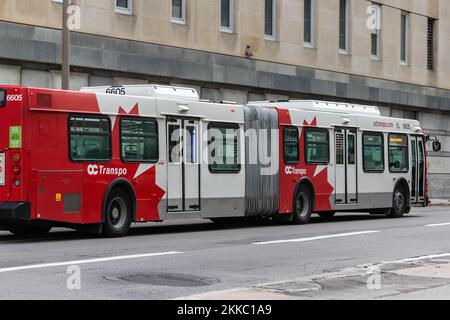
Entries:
{"x":439,"y":204}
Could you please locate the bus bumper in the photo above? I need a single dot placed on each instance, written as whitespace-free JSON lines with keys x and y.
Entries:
{"x":14,"y":212}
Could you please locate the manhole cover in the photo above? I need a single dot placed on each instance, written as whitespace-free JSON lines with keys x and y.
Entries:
{"x":170,"y":279}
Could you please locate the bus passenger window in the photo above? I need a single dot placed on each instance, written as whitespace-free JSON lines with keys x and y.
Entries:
{"x":398,"y":153}
{"x":317,"y":146}
{"x":139,"y":140}
{"x":351,"y":149}
{"x":223,"y":148}
{"x":339,"y":148}
{"x":174,"y":135}
{"x":90,"y":138}
{"x":191,"y":144}
{"x":373,"y":152}
{"x":291,"y":147}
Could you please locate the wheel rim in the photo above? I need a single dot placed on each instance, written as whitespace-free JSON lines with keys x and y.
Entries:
{"x":399,"y":201}
{"x":118,"y":213}
{"x":302,"y":204}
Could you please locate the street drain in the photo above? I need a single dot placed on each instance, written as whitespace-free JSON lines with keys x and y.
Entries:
{"x":170,"y":279}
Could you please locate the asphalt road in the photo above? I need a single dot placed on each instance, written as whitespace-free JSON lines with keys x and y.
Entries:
{"x":200,"y":259}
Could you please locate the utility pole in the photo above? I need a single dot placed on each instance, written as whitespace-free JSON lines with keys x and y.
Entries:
{"x":65,"y":74}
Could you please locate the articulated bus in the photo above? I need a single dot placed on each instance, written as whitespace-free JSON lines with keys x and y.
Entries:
{"x":105,"y":157}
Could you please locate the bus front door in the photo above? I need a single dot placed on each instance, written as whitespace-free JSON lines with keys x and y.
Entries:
{"x":346,"y":190}
{"x":183,"y":168}
{"x":417,"y":169}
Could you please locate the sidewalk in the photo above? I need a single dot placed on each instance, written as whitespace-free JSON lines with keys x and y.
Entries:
{"x":439,"y":203}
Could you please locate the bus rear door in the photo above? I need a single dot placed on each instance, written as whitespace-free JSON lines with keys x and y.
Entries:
{"x":346,"y":191}
{"x":183,"y":176}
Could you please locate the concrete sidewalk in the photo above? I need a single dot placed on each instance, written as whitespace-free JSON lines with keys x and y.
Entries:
{"x":439,"y":202}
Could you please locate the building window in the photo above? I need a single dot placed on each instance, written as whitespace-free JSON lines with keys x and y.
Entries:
{"x":124,"y":6}
{"x":344,"y":10}
{"x":270,"y":13}
{"x":90,"y":138}
{"x":179,"y":11}
{"x":223,"y":145}
{"x":375,"y":33}
{"x":404,"y":37}
{"x":226,"y":15}
{"x":317,"y":146}
{"x":373,"y":152}
{"x":308,"y":29}
{"x":430,"y":44}
{"x":291,"y":146}
{"x":139,"y":140}
{"x":398,"y":153}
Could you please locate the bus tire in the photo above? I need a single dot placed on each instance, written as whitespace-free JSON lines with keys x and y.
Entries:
{"x":326,"y":214}
{"x":399,"y":203}
{"x":118,"y":214}
{"x":30,"y":230}
{"x":303,"y":205}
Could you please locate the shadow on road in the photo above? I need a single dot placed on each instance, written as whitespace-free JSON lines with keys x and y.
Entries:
{"x":197,"y":226}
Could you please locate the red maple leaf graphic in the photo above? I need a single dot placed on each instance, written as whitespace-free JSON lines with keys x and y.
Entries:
{"x":323,"y":189}
{"x":148,"y":193}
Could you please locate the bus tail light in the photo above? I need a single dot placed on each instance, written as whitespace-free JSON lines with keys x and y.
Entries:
{"x":16,"y":157}
{"x":16,"y":169}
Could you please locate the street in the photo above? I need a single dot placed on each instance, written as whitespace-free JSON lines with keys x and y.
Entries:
{"x":198,"y":259}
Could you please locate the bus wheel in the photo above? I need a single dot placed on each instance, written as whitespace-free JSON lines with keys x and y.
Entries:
{"x":398,"y":204}
{"x":326,"y":214}
{"x":30,"y":230}
{"x":118,"y":214}
{"x":302,"y":205}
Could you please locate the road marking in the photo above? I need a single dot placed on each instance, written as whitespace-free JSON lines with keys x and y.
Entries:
{"x":77,"y":262}
{"x":438,"y":224}
{"x":338,"y":235}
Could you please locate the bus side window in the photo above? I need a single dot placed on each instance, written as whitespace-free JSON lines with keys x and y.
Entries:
{"x":398,"y":153}
{"x":224,"y":148}
{"x":317,"y":146}
{"x":291,"y":146}
{"x":373,"y":152}
{"x":89,"y":138}
{"x":139,"y":140}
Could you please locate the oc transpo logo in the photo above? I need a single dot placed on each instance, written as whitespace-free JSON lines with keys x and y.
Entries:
{"x":294,"y":171}
{"x":95,"y":170}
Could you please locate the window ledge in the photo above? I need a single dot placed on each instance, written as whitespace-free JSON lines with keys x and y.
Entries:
{"x":178,"y":21}
{"x":269,"y":38}
{"x":308,"y":45}
{"x":124,"y":11}
{"x":226,"y":30}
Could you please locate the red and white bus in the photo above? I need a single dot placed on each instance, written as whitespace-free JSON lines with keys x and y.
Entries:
{"x":105,"y":157}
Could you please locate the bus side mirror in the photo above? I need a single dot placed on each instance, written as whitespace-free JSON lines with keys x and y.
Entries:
{"x":437,"y":146}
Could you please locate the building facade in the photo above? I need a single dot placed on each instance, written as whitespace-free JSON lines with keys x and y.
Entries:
{"x":388,"y":53}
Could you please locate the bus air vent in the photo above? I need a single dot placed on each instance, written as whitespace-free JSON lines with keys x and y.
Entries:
{"x":44,"y":100}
